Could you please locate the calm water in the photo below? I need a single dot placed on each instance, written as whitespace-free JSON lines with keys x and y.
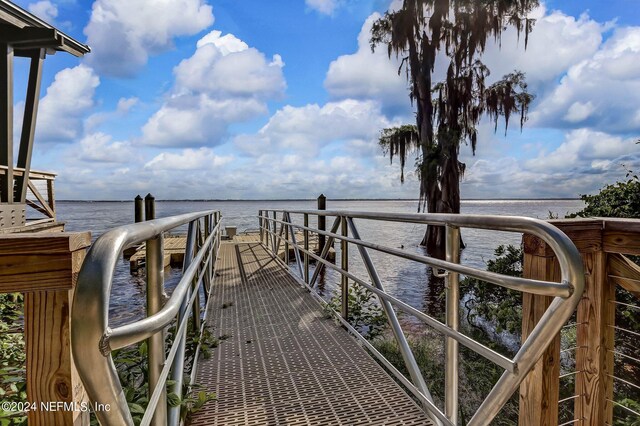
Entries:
{"x":403,"y":279}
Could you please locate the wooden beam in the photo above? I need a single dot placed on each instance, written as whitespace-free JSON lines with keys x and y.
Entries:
{"x":586,"y":234}
{"x":540,"y":390}
{"x":40,"y":199}
{"x":33,"y":175}
{"x":29,"y":124}
{"x":595,"y":340}
{"x":37,"y":207}
{"x":39,"y":262}
{"x":6,"y":122}
{"x":51,"y":196}
{"x":625,"y":273}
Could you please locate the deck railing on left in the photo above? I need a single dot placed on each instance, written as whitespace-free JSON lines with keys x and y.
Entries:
{"x":93,"y":339}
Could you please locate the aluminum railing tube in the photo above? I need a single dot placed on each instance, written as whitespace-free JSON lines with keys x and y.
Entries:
{"x":155,"y":342}
{"x":178,"y":363}
{"x":135,"y":332}
{"x":90,"y":313}
{"x":543,"y":288}
{"x":451,"y":377}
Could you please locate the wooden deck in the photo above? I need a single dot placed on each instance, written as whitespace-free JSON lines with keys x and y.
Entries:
{"x":174,"y":246}
{"x":284,"y":363}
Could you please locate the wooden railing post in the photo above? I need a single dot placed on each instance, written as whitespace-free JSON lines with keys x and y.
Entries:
{"x":45,"y":267}
{"x":540,"y":390}
{"x":595,"y":315}
{"x":594,"y":363}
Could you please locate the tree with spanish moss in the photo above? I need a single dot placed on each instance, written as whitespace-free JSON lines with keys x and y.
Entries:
{"x":448,"y":112}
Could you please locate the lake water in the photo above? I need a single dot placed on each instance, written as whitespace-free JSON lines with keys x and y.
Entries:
{"x":404,"y":279}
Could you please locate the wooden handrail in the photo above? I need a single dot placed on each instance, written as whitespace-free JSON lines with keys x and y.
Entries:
{"x":33,"y":174}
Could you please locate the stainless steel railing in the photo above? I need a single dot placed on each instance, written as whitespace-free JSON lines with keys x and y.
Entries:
{"x":93,"y":339}
{"x":566,"y":293}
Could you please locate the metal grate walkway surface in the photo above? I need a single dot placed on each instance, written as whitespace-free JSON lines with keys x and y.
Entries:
{"x":283,"y":362}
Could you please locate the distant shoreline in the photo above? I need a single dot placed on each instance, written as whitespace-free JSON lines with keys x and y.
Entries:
{"x":313,"y":199}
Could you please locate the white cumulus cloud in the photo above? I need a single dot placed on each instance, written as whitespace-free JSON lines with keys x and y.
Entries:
{"x":67,"y":101}
{"x":44,"y":10}
{"x":223,"y":82}
{"x":325,"y":7}
{"x":123,"y":33}
{"x":99,"y":147}
{"x":600,"y":92}
{"x":188,"y":159}
{"x":310,"y":128}
{"x":366,"y":74}
{"x":226,"y":66}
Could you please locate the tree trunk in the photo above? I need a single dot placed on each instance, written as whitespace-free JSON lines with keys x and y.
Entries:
{"x":443,"y":196}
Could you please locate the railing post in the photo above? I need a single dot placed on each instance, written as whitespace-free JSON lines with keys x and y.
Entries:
{"x":276,"y":242}
{"x":306,"y":248}
{"x":344,"y":248}
{"x":595,"y":332}
{"x":149,"y":207}
{"x":286,"y":238}
{"x":155,"y":343}
{"x":452,"y":320}
{"x":540,"y":389}
{"x":138,"y":207}
{"x":44,"y":267}
{"x":260,"y":225}
{"x":539,"y":392}
{"x":322,"y":222}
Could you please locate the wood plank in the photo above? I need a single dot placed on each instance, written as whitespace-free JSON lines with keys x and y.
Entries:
{"x":51,"y":375}
{"x":36,"y":207}
{"x":540,"y":390}
{"x":33,"y":174}
{"x":625,"y":273}
{"x":594,"y":362}
{"x":621,"y":241}
{"x":586,"y":234}
{"x":45,"y":243}
{"x":631,"y":226}
{"x":39,"y":262}
{"x":40,"y":199}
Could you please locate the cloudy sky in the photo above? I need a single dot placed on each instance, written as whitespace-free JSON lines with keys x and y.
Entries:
{"x":227,"y":99}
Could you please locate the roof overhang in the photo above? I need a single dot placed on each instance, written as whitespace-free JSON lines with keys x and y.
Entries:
{"x":25,"y":32}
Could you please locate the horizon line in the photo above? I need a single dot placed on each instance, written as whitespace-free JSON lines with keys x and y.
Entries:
{"x":314,"y":199}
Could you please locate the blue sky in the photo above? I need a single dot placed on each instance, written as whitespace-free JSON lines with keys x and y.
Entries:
{"x":226,"y":99}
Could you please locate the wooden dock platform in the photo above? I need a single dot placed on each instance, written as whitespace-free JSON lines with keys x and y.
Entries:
{"x":174,"y":246}
{"x":284,"y":362}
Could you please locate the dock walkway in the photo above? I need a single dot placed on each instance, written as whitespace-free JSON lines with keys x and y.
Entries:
{"x":282,"y":361}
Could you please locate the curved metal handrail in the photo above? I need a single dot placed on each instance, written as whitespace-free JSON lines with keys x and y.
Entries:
{"x":92,"y":339}
{"x":567,"y":293}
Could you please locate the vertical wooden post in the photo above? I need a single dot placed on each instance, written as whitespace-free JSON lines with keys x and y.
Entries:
{"x":51,"y":196}
{"x":149,"y":207}
{"x":29,"y":123}
{"x":322,"y":222}
{"x":6,"y":122}
{"x":45,"y":268}
{"x":138,"y":209}
{"x":540,"y":390}
{"x":594,"y":362}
